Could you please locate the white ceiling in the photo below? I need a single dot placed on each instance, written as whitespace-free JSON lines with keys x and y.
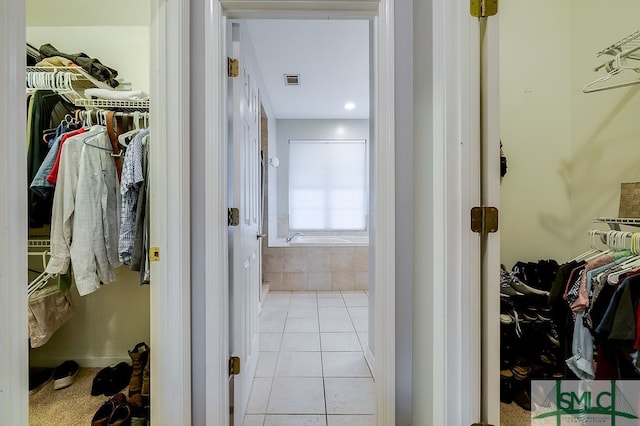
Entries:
{"x":331,"y":57}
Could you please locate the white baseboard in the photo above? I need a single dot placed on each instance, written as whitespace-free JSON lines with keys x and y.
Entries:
{"x":371,"y":360}
{"x":86,"y":362}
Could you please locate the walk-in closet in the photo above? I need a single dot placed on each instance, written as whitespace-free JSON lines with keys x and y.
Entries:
{"x":87,"y":80}
{"x":569,"y":95}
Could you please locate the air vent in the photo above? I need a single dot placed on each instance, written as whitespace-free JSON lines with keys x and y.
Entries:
{"x":292,"y":79}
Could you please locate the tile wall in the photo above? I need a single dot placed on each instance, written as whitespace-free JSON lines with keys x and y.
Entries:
{"x":316,"y":268}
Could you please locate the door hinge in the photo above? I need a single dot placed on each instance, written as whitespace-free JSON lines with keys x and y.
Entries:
{"x":232,"y":67}
{"x":484,"y":219}
{"x":234,"y":366}
{"x":483,"y":8}
{"x":233,"y":216}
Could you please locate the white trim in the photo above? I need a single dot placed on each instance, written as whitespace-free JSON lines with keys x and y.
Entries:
{"x":217,"y":301}
{"x":216,"y":272}
{"x":14,"y":355}
{"x":384,"y":208}
{"x":446,"y":295}
{"x":471,"y":339}
{"x":440,"y":387}
{"x":170,"y":312}
{"x":170,"y":218}
{"x":491,"y":197}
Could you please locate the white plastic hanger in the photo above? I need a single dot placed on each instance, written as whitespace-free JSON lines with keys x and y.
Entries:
{"x":592,"y":243}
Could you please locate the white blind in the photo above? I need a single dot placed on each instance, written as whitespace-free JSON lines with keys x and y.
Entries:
{"x":327,"y":184}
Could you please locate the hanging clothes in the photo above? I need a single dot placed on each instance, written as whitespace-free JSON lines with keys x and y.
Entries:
{"x":133,"y":176}
{"x":86,"y":212}
{"x":47,"y":110}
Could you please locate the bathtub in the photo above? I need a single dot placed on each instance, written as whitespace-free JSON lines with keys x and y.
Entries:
{"x":313,"y":241}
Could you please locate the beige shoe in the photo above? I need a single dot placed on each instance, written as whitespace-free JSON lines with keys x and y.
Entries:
{"x":139,"y":356}
{"x":146,"y":378}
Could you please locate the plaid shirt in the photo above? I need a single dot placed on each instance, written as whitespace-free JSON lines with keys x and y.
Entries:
{"x":132,"y":177}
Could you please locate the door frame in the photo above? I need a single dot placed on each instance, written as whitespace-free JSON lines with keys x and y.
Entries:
{"x":216,"y":321}
{"x":170,"y":226}
{"x":14,"y":356}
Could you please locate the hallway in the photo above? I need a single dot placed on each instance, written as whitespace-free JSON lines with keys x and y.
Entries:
{"x":311,"y":369}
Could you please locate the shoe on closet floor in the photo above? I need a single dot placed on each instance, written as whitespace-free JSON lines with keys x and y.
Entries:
{"x":530,"y":313}
{"x":552,"y":335}
{"x":139,"y":356}
{"x":38,"y":378}
{"x":111,"y":380}
{"x":64,"y":374}
{"x":506,"y":386}
{"x":505,"y":284}
{"x":126,"y":412}
{"x":102,"y":416}
{"x":519,"y":285}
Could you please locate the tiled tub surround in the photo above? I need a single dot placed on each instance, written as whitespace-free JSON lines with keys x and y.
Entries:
{"x":316,"y":268}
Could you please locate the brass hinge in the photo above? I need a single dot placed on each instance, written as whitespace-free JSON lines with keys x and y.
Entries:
{"x":233,"y":216}
{"x":234,"y":366}
{"x":483,"y":8}
{"x":232,"y":67}
{"x":484,"y":219}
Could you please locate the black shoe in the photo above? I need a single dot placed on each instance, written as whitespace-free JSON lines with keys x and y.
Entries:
{"x":102,"y":416}
{"x":548,"y":358}
{"x":522,"y":397}
{"x":64,"y":374}
{"x":505,"y":284}
{"x":544,"y":314}
{"x":530,"y":313}
{"x":506,"y":386}
{"x":553,"y":336}
{"x":111,"y":380}
{"x":38,"y":378}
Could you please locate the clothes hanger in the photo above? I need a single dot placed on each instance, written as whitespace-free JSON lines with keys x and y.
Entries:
{"x":125,"y":138}
{"x":592,"y":243}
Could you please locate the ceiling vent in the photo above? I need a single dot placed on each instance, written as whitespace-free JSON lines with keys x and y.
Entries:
{"x":292,"y":79}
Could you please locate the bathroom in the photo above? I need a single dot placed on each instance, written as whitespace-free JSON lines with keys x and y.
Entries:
{"x":314,"y":254}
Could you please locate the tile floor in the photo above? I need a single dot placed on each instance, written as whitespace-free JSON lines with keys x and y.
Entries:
{"x":311,"y":369}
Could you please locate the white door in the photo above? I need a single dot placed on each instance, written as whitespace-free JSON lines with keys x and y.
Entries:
{"x":244,"y":239}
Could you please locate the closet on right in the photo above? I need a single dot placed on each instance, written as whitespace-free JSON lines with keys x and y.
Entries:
{"x":570,"y":133}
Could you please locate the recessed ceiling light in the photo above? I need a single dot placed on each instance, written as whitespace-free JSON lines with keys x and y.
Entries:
{"x":349,"y":106}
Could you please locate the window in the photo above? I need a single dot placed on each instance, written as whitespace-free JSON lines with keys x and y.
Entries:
{"x":327,"y":185}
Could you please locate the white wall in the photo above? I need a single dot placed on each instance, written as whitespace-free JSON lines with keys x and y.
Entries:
{"x":124,"y":48}
{"x":605,"y":127}
{"x":567,"y":151}
{"x":535,"y":76}
{"x":112,"y":320}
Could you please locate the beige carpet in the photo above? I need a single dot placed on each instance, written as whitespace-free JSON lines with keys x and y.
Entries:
{"x":513,"y":415}
{"x":70,"y":406}
{"x":74,"y":405}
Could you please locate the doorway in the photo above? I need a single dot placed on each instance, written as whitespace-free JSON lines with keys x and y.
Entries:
{"x":215,"y":105}
{"x":172,"y":317}
{"x":311,"y":336}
